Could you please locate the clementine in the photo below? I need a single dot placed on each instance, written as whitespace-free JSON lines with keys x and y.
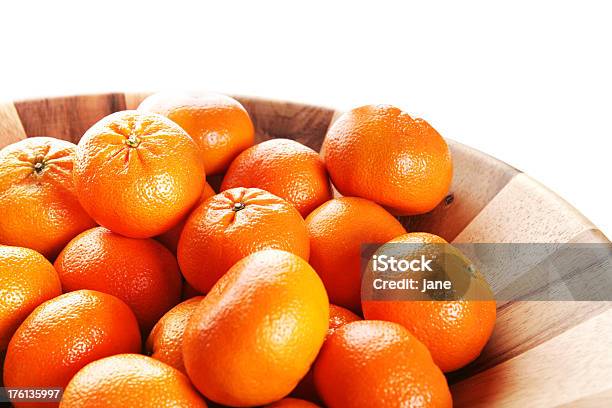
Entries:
{"x":285,"y":168}
{"x":456,"y":331}
{"x":130,"y":380}
{"x":165,"y":343}
{"x":64,"y":334}
{"x":141,"y":272}
{"x":378,"y":364}
{"x":219,"y":124}
{"x":37,"y":198}
{"x":137,"y":173}
{"x":256,"y":333}
{"x":380,"y":153}
{"x":27,"y":279}
{"x":338,"y":229}
{"x":233,"y":224}
{"x":338,"y":317}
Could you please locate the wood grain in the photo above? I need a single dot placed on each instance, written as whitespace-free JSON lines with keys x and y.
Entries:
{"x":525,"y":211}
{"x":523,"y":325}
{"x":571,"y":366}
{"x":602,"y":399}
{"x":274,"y":119}
{"x":66,"y":117}
{"x":471,"y":168}
{"x":11,"y":129}
{"x":590,"y":236}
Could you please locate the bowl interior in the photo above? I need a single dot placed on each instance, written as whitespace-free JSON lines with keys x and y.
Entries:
{"x":541,"y":352}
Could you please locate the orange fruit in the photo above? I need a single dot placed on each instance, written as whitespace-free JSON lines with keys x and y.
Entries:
{"x":141,"y":272}
{"x":64,"y":334}
{"x":380,"y":153}
{"x":137,"y":173}
{"x":27,"y":279}
{"x":255,"y":335}
{"x":338,"y":229}
{"x":285,"y":168}
{"x":171,"y":237}
{"x":292,"y":403}
{"x":455,"y":332}
{"x":219,"y":124}
{"x":233,"y":224}
{"x":378,"y":364}
{"x":130,"y":380}
{"x":37,"y":199}
{"x":165,"y":343}
{"x":338,"y":317}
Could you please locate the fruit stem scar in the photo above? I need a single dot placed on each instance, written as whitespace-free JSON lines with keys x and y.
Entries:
{"x":471,"y":269}
{"x":38,"y":167}
{"x":238,"y":206}
{"x":132,"y":141}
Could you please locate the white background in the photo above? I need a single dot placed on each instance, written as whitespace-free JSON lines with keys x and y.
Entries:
{"x":527,"y":82}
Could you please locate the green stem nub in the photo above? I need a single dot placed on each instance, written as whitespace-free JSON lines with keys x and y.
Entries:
{"x":132,"y":141}
{"x":238,"y":206}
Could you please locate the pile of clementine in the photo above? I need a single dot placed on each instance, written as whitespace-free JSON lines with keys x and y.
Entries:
{"x":126,"y":280}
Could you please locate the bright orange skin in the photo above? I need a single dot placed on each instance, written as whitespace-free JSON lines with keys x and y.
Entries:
{"x":285,"y":168}
{"x":171,"y":237}
{"x":27,"y":279}
{"x":455,"y":332}
{"x":255,"y":335}
{"x":39,"y":207}
{"x":380,"y":153}
{"x":338,"y":317}
{"x":292,"y":403}
{"x":215,"y":236}
{"x":130,"y":380}
{"x":337,"y":230}
{"x":141,"y":272}
{"x":373,"y":363}
{"x":64,"y":334}
{"x":219,"y":124}
{"x":137,"y":173}
{"x":165,"y":343}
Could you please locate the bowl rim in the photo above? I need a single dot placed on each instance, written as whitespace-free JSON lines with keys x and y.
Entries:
{"x":129,"y":100}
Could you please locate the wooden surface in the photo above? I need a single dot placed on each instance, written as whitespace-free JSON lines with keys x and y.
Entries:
{"x":11,"y":129}
{"x":571,"y":366}
{"x":66,"y":117}
{"x":273,"y":119}
{"x":541,"y":353}
{"x":525,"y":211}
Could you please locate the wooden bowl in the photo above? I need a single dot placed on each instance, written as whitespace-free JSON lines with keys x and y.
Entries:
{"x":541,"y":353}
